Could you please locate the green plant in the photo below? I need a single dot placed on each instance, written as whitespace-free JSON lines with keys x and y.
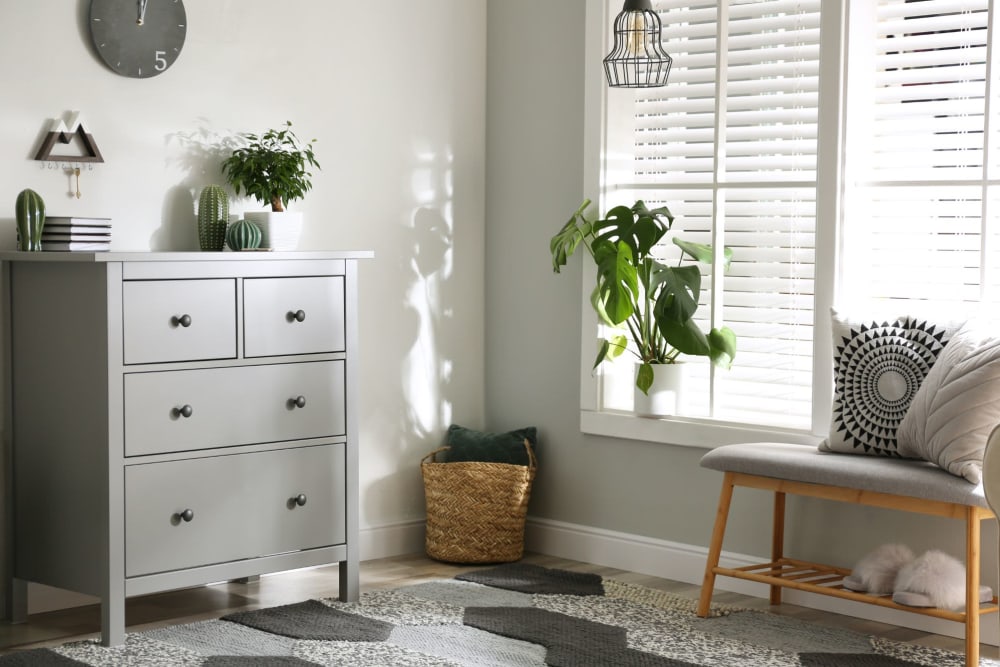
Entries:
{"x":637,"y":292}
{"x":29,"y":210}
{"x":272,"y":167}
{"x":213,"y":216}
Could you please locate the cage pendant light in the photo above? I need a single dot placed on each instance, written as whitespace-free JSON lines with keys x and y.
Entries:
{"x":637,"y":59}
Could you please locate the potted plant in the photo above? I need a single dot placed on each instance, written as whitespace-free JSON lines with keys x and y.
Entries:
{"x":273,"y":168}
{"x":640,"y":295}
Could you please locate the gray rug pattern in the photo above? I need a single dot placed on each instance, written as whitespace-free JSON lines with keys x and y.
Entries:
{"x":506,"y":616}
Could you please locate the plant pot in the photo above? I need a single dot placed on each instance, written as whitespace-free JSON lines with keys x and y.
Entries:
{"x":666,"y":395}
{"x":278,"y":231}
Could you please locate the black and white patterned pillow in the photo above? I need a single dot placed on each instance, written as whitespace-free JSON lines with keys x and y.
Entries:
{"x":878,"y":366}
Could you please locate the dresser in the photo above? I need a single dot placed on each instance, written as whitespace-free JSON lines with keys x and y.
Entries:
{"x":176,"y":419}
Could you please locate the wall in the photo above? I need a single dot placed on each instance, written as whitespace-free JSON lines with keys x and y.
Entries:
{"x":611,"y":499}
{"x":395,"y":96}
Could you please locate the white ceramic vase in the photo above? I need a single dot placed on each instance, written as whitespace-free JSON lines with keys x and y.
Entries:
{"x":666,"y":395}
{"x":278,"y":231}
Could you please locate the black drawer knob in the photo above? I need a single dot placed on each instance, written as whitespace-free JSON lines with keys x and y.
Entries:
{"x":300,"y":500}
{"x":183,"y":320}
{"x":184,"y":411}
{"x":186,"y":516}
{"x":297,"y":316}
{"x":299,"y":401}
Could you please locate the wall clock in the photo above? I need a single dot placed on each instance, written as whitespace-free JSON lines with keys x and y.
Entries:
{"x":138,"y":38}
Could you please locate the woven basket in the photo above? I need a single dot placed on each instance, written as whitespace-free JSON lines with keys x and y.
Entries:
{"x":476,"y":510}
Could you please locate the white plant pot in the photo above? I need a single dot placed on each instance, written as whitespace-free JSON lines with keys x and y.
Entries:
{"x":666,"y":395}
{"x":278,"y":231}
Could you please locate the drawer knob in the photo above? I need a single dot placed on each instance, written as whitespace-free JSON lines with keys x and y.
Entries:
{"x":184,"y":411}
{"x":300,"y":500}
{"x":299,"y":402}
{"x":186,"y":516}
{"x":183,"y":320}
{"x":297,"y":316}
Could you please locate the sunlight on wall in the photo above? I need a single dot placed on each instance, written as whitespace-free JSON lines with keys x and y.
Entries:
{"x":426,"y":371}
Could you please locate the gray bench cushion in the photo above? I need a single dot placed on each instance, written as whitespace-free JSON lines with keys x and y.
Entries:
{"x":801,"y":463}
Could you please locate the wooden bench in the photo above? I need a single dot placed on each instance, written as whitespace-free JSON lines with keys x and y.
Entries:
{"x":907,"y":485}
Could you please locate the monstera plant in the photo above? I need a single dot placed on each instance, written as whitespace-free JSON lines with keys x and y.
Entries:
{"x":639,"y":295}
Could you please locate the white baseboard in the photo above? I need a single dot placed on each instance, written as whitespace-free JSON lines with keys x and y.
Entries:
{"x":686,"y":563}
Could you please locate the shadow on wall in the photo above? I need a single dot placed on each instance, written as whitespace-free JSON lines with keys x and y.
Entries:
{"x":199,"y":154}
{"x":424,"y":323}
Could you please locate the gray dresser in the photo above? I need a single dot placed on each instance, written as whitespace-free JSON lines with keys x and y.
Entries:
{"x":179,"y":418}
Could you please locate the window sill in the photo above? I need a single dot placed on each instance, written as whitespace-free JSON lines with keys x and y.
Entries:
{"x":685,"y":432}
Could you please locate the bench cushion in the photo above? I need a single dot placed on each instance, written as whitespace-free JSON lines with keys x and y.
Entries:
{"x":801,"y":463}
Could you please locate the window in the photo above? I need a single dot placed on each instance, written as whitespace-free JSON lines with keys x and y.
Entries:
{"x":732,"y":146}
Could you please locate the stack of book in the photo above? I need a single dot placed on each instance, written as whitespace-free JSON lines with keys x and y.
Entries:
{"x":68,"y":233}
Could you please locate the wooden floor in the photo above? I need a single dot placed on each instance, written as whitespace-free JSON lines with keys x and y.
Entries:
{"x":207,"y":602}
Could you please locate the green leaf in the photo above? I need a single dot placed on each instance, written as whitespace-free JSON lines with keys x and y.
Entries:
{"x":602,"y":352}
{"x":644,"y":378}
{"x":678,"y":292}
{"x":685,"y":336}
{"x":703,"y":253}
{"x":723,"y":344}
{"x":619,"y":344}
{"x":617,"y":279}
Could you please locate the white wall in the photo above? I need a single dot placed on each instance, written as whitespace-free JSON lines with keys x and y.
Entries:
{"x":395,"y":94}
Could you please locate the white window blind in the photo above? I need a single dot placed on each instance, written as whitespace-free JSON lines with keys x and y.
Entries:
{"x":730,"y":146}
{"x":922,"y":220}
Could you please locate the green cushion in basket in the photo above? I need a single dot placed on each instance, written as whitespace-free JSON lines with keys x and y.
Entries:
{"x":470,"y":445}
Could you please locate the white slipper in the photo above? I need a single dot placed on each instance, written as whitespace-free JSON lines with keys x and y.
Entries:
{"x":935,"y":579}
{"x":876,"y":572}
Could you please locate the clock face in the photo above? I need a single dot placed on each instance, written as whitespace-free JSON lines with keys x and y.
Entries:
{"x":138,"y":38}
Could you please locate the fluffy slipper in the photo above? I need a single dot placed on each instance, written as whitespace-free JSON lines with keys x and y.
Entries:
{"x":876,"y":572}
{"x":935,"y":579}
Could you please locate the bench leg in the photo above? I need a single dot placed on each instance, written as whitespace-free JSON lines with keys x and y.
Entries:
{"x":715,"y":548}
{"x":972,"y":548}
{"x":778,"y":539}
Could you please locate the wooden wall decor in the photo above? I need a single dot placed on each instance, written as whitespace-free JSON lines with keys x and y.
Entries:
{"x":62,"y":133}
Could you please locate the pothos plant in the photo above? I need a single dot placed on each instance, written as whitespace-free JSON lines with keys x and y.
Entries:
{"x":637,"y":293}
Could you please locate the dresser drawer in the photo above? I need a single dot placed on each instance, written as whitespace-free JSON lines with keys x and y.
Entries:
{"x":293,"y":315}
{"x":242,"y":506}
{"x":179,"y":320}
{"x":171,"y":411}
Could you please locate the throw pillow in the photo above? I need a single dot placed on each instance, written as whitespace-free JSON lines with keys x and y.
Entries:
{"x":878,"y":367}
{"x":957,"y":406}
{"x":471,"y":445}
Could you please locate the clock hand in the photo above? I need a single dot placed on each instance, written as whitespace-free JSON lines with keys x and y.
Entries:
{"x":142,"y":11}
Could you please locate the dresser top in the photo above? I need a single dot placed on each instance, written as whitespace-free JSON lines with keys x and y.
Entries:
{"x":194,"y":256}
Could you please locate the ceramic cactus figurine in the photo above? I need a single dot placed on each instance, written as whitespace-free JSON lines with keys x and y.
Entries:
{"x":213,"y":216}
{"x":29,"y":210}
{"x":243,"y":234}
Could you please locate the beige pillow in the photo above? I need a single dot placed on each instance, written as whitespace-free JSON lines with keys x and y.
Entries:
{"x":879,"y":364}
{"x":957,"y":405}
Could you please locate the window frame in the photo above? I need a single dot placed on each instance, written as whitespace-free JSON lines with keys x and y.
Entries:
{"x":601,"y":103}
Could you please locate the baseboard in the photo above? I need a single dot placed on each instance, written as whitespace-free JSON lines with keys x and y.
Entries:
{"x":686,"y":563}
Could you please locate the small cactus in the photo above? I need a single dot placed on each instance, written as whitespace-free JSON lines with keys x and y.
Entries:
{"x":29,"y":209}
{"x":213,"y":216}
{"x":243,"y":234}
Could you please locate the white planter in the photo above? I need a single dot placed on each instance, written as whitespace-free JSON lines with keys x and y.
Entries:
{"x":666,"y":395}
{"x":278,"y":231}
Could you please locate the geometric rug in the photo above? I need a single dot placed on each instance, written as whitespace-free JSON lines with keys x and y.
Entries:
{"x":509,"y":615}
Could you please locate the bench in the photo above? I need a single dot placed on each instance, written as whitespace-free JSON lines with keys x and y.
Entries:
{"x":899,"y":484}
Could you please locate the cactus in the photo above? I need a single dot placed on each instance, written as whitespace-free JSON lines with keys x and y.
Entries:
{"x":30,"y":213}
{"x":243,"y":234}
{"x":213,"y":215}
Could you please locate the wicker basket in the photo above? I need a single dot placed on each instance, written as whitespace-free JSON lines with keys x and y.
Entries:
{"x":476,"y":510}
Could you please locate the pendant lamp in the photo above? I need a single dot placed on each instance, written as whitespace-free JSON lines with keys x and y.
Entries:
{"x":637,"y":59}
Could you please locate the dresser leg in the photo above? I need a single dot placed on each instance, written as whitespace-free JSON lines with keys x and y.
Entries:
{"x":252,"y":579}
{"x":349,"y":586}
{"x":113,"y":621}
{"x":18,"y":600}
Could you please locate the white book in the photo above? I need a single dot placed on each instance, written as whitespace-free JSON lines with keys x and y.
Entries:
{"x":93,"y":238}
{"x":93,"y":246}
{"x":73,"y":221}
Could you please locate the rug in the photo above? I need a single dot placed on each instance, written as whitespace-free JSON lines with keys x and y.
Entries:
{"x":512,"y":615}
